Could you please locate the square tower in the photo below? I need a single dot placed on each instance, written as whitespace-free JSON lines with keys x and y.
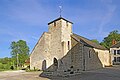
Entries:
{"x":60,"y":30}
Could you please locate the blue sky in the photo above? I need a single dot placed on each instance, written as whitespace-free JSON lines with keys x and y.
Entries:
{"x":27,"y":19}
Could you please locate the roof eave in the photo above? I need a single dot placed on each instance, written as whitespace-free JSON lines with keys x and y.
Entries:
{"x":59,"y":19}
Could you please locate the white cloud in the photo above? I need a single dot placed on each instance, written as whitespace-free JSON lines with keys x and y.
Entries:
{"x":110,"y":9}
{"x":34,"y":37}
{"x":31,"y":12}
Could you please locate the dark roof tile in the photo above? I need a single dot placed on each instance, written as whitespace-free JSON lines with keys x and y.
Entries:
{"x":59,"y":19}
{"x":88,"y":42}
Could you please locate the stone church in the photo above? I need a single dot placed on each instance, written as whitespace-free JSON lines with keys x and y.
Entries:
{"x":60,"y":49}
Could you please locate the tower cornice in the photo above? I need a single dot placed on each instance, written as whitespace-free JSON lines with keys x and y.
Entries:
{"x":59,"y":19}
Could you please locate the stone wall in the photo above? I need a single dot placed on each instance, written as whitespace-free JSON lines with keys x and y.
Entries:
{"x":52,"y":44}
{"x":66,"y":32}
{"x":58,"y":44}
{"x":72,"y":60}
{"x":41,"y":52}
{"x":87,"y":58}
{"x":80,"y":58}
{"x":92,"y":60}
{"x":60,"y":35}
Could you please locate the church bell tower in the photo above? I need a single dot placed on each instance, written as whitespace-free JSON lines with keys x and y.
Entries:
{"x":60,"y":30}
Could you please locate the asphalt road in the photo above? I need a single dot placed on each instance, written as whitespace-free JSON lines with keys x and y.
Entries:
{"x":109,"y":73}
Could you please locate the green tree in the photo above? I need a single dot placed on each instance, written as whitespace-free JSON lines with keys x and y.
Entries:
{"x":107,"y":42}
{"x":95,"y":41}
{"x":20,"y":52}
{"x":5,"y":63}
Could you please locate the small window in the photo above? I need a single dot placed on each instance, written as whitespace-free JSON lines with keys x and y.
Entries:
{"x":114,"y":52}
{"x":118,"y":59}
{"x":54,"y":24}
{"x":89,"y":54}
{"x":68,"y":45}
{"x":115,"y":59}
{"x":118,"y":51}
{"x":55,"y":62}
{"x":66,"y":23}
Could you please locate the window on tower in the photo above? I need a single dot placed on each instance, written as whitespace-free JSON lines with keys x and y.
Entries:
{"x":66,"y":23}
{"x":68,"y":45}
{"x":55,"y":24}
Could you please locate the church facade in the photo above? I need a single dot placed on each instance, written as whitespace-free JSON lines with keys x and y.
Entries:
{"x":60,"y":49}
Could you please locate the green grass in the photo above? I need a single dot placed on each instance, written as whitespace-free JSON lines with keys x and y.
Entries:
{"x":36,"y":70}
{"x":2,"y":70}
{"x":7,"y":70}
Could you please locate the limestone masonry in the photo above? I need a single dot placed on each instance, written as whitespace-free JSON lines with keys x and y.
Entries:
{"x":60,"y":49}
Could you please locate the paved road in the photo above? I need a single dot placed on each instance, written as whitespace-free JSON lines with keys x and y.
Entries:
{"x":110,"y":73}
{"x":20,"y":75}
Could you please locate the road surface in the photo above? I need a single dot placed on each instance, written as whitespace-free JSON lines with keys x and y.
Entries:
{"x":109,"y":73}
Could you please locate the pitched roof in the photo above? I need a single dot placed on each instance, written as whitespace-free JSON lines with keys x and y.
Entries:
{"x":115,"y":45}
{"x":59,"y":19}
{"x":88,"y":42}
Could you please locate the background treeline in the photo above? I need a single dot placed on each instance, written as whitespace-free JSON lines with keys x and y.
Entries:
{"x":5,"y":63}
{"x":19,"y":53}
{"x":113,"y":37}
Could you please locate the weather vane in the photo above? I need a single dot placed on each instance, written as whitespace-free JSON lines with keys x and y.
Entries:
{"x":60,"y":7}
{"x":60,"y":10}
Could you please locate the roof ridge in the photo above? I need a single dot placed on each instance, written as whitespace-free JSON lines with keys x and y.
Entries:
{"x":59,"y":19}
{"x":89,"y":42}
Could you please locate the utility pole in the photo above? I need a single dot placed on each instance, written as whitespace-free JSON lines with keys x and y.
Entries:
{"x":17,"y":60}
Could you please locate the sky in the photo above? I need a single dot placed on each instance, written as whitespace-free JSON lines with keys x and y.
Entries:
{"x":28,"y":19}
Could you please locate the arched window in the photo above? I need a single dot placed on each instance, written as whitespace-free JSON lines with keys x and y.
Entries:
{"x":55,"y":62}
{"x":44,"y":65}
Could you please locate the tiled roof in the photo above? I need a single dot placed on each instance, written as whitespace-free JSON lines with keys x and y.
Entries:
{"x":88,"y":42}
{"x":59,"y":19}
{"x":116,"y":45}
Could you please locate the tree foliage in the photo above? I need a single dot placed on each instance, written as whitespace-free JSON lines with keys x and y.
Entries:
{"x":5,"y":63}
{"x":95,"y":41}
{"x":107,"y":41}
{"x":21,"y":49}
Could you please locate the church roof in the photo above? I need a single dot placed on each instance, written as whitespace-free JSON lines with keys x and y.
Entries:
{"x":59,"y":19}
{"x":115,"y":45}
{"x":88,"y":42}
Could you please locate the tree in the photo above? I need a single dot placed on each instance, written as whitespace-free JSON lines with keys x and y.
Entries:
{"x":107,"y":42}
{"x":19,"y":52}
{"x":5,"y":63}
{"x":95,"y":41}
{"x":5,"y":60}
